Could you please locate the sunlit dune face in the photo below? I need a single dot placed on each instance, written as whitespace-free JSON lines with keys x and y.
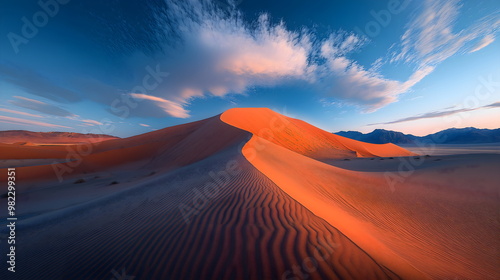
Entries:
{"x":303,"y":138}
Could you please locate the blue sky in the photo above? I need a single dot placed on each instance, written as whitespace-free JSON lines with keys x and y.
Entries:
{"x":129,"y":67}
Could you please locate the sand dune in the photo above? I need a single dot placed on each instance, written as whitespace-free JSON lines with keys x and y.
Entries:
{"x":251,"y":194}
{"x":23,"y":137}
{"x":303,"y":138}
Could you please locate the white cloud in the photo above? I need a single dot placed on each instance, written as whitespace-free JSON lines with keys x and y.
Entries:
{"x":19,"y":121}
{"x":91,"y":122}
{"x":40,"y":106}
{"x":352,"y":82}
{"x":430,"y":38}
{"x":488,"y":39}
{"x":172,"y":108}
{"x":220,"y":54}
{"x":20,"y":113}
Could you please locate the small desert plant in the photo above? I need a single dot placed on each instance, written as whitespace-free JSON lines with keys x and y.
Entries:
{"x":79,"y":181}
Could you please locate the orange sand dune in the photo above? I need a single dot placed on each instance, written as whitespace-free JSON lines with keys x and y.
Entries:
{"x":249,"y":194}
{"x":45,"y":138}
{"x":159,"y":150}
{"x":303,"y":138}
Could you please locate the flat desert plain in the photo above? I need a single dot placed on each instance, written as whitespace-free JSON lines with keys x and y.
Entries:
{"x":251,"y":194}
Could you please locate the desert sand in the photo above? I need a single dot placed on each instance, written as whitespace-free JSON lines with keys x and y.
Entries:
{"x":251,"y":194}
{"x":29,"y":138}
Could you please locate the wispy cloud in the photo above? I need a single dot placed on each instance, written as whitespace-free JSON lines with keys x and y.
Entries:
{"x":431,"y":38}
{"x":91,"y":122}
{"x":352,"y":82}
{"x":35,"y":83}
{"x":20,"y":113}
{"x":493,"y":105}
{"x":18,"y":121}
{"x":488,"y":39}
{"x":439,"y":114}
{"x":40,"y":106}
{"x":172,"y":108}
{"x":145,"y":125}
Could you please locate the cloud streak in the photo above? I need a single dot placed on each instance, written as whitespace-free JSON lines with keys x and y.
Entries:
{"x":34,"y":83}
{"x":439,"y":114}
{"x":40,"y":106}
{"x":92,"y":122}
{"x":488,"y":39}
{"x":20,"y":113}
{"x":18,"y":121}
{"x":352,"y":82}
{"x":169,"y":107}
{"x":430,"y":38}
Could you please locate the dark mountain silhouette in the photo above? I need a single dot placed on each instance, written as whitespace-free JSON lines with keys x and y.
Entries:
{"x":468,"y":135}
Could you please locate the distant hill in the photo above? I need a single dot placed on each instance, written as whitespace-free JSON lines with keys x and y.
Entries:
{"x":468,"y":135}
{"x":24,"y":137}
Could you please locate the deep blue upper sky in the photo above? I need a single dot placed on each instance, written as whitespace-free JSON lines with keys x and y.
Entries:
{"x":128,"y":67}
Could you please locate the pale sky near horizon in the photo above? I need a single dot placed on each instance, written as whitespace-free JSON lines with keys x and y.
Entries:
{"x":129,"y":67}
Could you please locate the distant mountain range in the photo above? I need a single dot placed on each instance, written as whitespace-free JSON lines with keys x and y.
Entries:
{"x":27,"y":137}
{"x":468,"y":135}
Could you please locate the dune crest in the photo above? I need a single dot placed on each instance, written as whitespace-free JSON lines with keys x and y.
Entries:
{"x":303,"y":138}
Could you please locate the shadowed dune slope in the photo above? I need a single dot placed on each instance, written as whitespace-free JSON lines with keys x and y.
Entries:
{"x":243,"y":228}
{"x":303,"y":138}
{"x":163,"y":150}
